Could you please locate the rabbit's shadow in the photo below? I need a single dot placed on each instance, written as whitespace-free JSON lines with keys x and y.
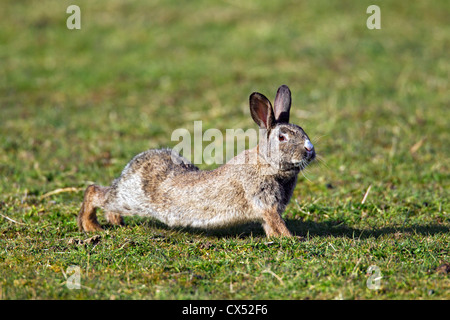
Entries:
{"x":299,"y":228}
{"x":334,"y":229}
{"x":339,"y":229}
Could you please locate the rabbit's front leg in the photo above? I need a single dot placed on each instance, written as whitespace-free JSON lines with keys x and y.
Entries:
{"x":274,"y":225}
{"x":114,"y":218}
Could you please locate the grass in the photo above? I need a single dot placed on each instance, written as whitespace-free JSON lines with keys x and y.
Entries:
{"x":77,"y":105}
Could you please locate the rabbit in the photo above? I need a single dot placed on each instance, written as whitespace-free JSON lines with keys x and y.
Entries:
{"x":160,"y":183}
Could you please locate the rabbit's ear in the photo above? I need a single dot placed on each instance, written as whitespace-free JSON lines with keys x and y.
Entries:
{"x":261,"y":111}
{"x":282,"y":104}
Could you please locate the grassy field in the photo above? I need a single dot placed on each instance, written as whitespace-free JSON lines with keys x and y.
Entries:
{"x":77,"y":105}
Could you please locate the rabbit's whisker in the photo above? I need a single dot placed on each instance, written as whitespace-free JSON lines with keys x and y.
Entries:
{"x":322,"y":161}
{"x":317,"y":138}
{"x":305,"y":176}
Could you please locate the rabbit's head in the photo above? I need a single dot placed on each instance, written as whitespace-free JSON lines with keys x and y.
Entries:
{"x":283,"y":145}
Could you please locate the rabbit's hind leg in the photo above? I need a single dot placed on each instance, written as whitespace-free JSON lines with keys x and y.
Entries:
{"x":94,"y":197}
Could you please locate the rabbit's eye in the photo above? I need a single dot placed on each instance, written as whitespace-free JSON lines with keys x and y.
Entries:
{"x":281,"y":137}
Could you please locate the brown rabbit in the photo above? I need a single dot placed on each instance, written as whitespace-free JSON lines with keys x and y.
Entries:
{"x":254,"y":186}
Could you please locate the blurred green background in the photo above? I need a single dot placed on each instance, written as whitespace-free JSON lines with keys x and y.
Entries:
{"x":77,"y":105}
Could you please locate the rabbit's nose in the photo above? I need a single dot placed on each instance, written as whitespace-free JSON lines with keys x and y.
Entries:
{"x":308,"y":145}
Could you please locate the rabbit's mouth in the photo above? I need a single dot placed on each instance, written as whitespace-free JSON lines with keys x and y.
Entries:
{"x":310,"y":155}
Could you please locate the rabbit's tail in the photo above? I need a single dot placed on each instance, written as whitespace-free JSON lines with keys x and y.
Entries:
{"x":94,"y":197}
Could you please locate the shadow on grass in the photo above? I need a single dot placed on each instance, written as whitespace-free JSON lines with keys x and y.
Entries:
{"x":299,"y":228}
{"x":336,"y":229}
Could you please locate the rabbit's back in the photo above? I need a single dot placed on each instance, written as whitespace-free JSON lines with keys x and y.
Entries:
{"x":138,"y":186}
{"x":166,"y":186}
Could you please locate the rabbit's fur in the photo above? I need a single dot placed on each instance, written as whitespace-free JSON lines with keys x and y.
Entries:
{"x":254,"y":186}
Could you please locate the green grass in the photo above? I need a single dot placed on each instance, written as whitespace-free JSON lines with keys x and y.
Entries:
{"x":77,"y":105}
